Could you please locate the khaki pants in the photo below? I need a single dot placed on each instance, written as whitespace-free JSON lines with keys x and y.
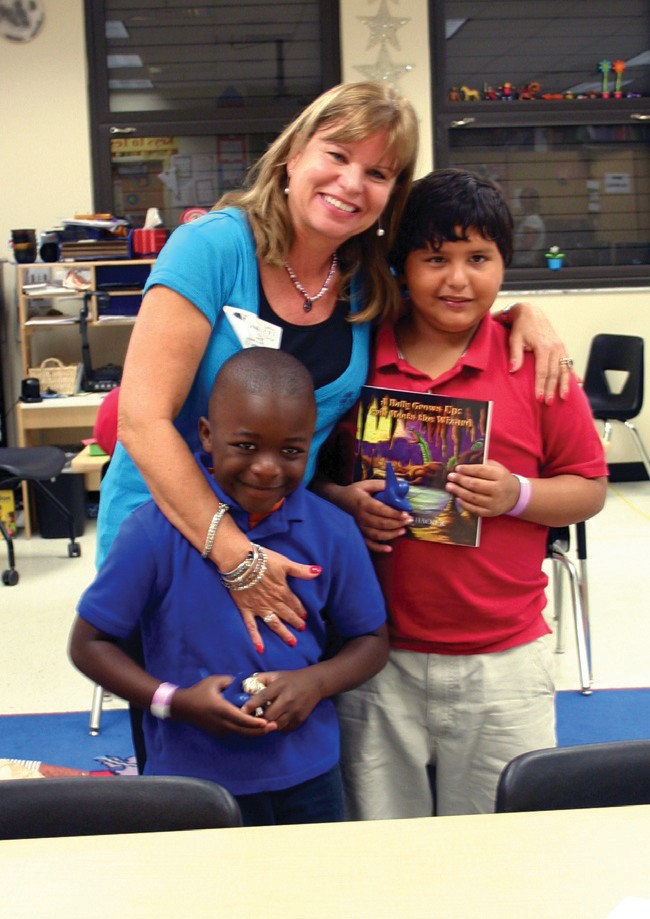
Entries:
{"x":431,"y":733}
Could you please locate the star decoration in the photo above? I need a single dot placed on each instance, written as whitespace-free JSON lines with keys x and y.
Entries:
{"x":384,"y":68}
{"x":383,"y":27}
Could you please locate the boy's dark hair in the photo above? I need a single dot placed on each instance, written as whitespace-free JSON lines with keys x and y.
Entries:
{"x":444,"y":205}
{"x":262,"y":370}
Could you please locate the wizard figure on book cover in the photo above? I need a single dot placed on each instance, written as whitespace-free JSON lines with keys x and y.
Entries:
{"x":416,"y":440}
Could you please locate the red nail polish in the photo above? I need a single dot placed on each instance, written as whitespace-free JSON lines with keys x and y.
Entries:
{"x":292,"y":642}
{"x":315,"y":569}
{"x":259,"y":648}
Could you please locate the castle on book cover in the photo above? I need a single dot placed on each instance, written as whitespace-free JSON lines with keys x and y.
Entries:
{"x":424,"y":436}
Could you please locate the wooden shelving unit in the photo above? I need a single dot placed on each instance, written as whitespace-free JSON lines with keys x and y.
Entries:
{"x":48,"y":320}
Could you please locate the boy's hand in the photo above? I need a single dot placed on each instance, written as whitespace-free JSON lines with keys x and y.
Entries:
{"x":203,"y":706}
{"x":486,"y":489}
{"x":378,"y":522}
{"x":288,"y":700}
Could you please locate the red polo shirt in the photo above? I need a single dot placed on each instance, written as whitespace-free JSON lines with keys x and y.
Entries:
{"x":449,"y":599}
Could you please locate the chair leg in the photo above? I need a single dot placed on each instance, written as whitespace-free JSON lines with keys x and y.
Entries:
{"x":96,"y":710}
{"x":10,"y":575}
{"x":558,"y":607}
{"x":643,"y":453}
{"x":580,"y":618}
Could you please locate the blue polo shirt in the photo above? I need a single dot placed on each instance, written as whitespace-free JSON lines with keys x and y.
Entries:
{"x":192,"y":628}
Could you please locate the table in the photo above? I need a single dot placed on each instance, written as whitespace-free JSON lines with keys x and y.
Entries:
{"x":91,"y":467}
{"x":36,"y":422}
{"x":549,"y":865}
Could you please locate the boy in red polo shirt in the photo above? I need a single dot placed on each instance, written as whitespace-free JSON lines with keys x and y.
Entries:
{"x":469,"y":682}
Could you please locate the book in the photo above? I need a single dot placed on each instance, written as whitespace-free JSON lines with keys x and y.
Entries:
{"x":422,"y":437}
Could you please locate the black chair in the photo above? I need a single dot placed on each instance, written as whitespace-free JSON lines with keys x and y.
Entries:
{"x":558,"y":546}
{"x":36,"y":465}
{"x":590,"y":775}
{"x":94,"y":806}
{"x":609,"y":354}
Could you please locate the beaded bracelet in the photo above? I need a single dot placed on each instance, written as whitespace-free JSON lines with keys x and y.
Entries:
{"x":212,"y":529}
{"x":525,"y":493}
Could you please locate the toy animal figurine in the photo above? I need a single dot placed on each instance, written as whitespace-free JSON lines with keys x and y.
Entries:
{"x":453,"y":95}
{"x":394,"y":494}
{"x":530,"y":90}
{"x":470,"y":95}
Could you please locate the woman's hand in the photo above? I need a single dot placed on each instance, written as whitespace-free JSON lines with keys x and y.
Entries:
{"x":203,"y":706}
{"x":272,"y":601}
{"x":531,"y":331}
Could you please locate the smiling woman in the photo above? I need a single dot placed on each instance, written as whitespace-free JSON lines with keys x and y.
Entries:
{"x":347,"y":162}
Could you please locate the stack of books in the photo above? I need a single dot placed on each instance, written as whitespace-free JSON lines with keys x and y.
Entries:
{"x":94,"y":249}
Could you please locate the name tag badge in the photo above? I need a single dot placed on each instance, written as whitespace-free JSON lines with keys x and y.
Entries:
{"x":251,"y":331}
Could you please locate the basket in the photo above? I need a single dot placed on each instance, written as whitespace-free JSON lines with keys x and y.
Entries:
{"x":54,"y":375}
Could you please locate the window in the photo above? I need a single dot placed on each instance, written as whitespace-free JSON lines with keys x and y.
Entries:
{"x":552,"y":100}
{"x":185,"y":96}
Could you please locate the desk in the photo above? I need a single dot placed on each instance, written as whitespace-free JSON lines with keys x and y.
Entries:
{"x":91,"y":467}
{"x":550,"y":865}
{"x":73,"y":414}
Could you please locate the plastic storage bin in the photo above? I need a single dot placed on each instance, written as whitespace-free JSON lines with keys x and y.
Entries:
{"x":69,"y":489}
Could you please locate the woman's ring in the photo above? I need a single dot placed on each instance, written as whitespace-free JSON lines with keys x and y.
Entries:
{"x":269,"y":618}
{"x":566,"y":361}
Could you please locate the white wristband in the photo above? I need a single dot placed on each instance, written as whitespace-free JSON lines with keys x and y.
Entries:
{"x":161,"y":701}
{"x":523,"y":500}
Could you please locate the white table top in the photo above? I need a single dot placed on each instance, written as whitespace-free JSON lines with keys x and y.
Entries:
{"x":573,"y":864}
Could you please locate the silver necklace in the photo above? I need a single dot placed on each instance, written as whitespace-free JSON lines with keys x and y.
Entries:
{"x":309,"y":301}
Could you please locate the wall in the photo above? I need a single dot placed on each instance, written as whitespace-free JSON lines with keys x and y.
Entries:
{"x":44,"y":140}
{"x":45,"y":155}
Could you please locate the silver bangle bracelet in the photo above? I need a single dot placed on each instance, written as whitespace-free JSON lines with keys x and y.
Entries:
{"x":212,"y":529}
{"x":248,"y":572}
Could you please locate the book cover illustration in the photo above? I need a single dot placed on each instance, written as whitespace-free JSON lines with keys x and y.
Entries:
{"x":423,"y":436}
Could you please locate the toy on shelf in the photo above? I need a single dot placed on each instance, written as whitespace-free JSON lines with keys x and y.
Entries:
{"x":605,"y":67}
{"x":531,"y":90}
{"x":554,"y":258}
{"x":470,"y":95}
{"x":619,"y":68}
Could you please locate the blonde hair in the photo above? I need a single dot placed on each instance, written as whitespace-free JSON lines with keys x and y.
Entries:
{"x":356,"y":111}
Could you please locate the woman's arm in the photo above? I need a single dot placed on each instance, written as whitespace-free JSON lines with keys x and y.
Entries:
{"x":166,"y":348}
{"x":531,"y":331}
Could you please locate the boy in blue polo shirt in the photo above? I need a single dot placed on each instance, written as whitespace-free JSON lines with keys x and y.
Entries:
{"x":277,"y":754}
